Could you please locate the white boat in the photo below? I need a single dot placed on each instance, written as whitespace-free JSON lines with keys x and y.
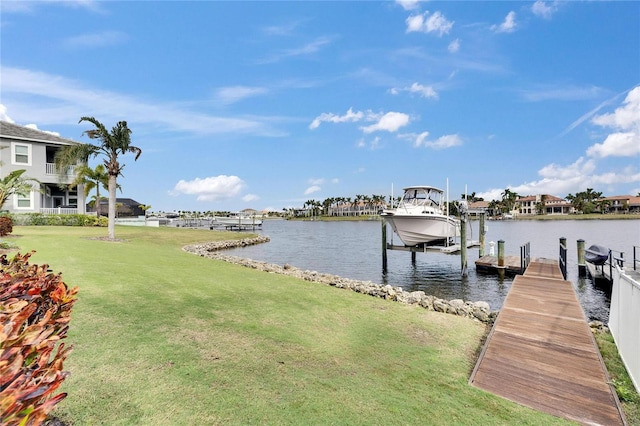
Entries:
{"x":421,"y":217}
{"x":238,"y":220}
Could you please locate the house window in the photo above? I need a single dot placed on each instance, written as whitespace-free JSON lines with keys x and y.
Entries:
{"x":24,"y":201}
{"x":21,"y":154}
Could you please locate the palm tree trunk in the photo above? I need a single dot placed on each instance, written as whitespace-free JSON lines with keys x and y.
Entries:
{"x":112,"y":207}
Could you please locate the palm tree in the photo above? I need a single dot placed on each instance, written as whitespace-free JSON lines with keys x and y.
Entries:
{"x":15,"y":183}
{"x":92,"y":178}
{"x":541,"y":206}
{"x":112,"y":145}
{"x":508,"y":199}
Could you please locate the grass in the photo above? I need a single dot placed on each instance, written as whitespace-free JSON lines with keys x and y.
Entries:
{"x":629,"y":398}
{"x":164,"y":337}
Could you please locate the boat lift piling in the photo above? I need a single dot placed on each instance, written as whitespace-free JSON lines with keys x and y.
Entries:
{"x":463,"y":246}
{"x":582,"y":265}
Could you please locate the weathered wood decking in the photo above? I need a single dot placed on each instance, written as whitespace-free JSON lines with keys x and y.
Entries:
{"x":512,"y":264}
{"x":541,"y":353}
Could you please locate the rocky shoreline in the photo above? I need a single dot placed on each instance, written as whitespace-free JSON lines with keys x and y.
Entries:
{"x":478,"y":311}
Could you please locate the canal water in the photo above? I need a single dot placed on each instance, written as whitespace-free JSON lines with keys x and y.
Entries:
{"x":354,"y":250}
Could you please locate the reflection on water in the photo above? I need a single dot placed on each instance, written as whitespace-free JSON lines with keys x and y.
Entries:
{"x":353,"y":250}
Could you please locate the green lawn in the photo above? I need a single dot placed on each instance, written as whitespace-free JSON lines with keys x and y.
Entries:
{"x":164,"y":337}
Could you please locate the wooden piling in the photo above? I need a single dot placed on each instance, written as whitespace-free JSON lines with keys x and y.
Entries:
{"x":482,"y":234}
{"x":384,"y":246}
{"x":500,"y":252}
{"x":582,"y":266}
{"x":501,"y":267}
{"x":463,"y":244}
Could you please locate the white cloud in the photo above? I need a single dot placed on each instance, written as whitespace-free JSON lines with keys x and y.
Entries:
{"x":454,"y":46}
{"x":544,"y":9}
{"x":417,"y":88}
{"x":312,"y":189}
{"x":56,"y":99}
{"x":578,"y":170}
{"x":313,"y":181}
{"x":28,"y":6}
{"x":3,"y":114}
{"x":443,"y":142}
{"x":228,"y":95}
{"x":424,"y":91}
{"x":625,"y":121}
{"x":426,"y":23}
{"x":92,"y":40}
{"x":562,"y":180}
{"x":210,"y":188}
{"x":250,"y":197}
{"x":409,"y":4}
{"x":307,"y":49}
{"x":332,"y":118}
{"x":390,"y":122}
{"x":618,"y":144}
{"x":508,"y":26}
{"x":563,"y":93}
{"x":35,"y":127}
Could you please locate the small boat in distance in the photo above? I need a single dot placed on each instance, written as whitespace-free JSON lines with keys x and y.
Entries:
{"x":421,"y":219}
{"x":597,"y":255}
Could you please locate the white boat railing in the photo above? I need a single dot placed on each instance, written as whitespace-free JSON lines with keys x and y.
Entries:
{"x":624,"y":317}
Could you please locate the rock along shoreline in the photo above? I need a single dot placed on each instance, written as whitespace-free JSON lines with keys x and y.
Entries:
{"x":478,"y":311}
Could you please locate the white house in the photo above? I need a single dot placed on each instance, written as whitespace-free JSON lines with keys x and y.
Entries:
{"x":34,"y":151}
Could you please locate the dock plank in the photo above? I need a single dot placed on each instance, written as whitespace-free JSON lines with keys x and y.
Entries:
{"x":541,"y":353}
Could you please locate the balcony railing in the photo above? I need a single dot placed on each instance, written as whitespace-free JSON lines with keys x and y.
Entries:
{"x":51,"y":169}
{"x":59,"y":210}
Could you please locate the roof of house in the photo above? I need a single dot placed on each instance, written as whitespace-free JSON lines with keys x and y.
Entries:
{"x":17,"y":132}
{"x":124,"y":201}
{"x":547,"y":198}
{"x":630,"y":199}
{"x":618,"y":197}
{"x":479,"y":205}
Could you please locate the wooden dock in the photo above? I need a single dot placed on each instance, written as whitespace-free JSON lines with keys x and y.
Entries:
{"x":542,"y":354}
{"x":512,"y":264}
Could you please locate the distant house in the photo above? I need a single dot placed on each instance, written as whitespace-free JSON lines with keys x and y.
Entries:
{"x":125,"y":207}
{"x":34,"y":151}
{"x":549,"y":204}
{"x":477,"y":208}
{"x":623,"y":204}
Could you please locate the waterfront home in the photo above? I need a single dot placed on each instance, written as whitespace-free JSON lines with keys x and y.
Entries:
{"x":24,"y":148}
{"x":622,"y":204}
{"x":542,"y":204}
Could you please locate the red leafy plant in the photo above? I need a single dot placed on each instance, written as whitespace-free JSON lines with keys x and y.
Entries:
{"x":6,"y":226}
{"x":35,"y":310}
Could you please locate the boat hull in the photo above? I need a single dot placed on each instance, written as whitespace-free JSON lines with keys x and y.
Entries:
{"x":419,"y":229}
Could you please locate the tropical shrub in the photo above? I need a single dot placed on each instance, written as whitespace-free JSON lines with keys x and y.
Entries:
{"x":39,"y":219}
{"x":35,"y":309}
{"x":6,"y":226}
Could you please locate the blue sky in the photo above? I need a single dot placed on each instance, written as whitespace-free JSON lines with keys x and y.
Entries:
{"x":269,"y":104}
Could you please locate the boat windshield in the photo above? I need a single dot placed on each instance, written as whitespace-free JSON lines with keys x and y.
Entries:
{"x":421,"y":196}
